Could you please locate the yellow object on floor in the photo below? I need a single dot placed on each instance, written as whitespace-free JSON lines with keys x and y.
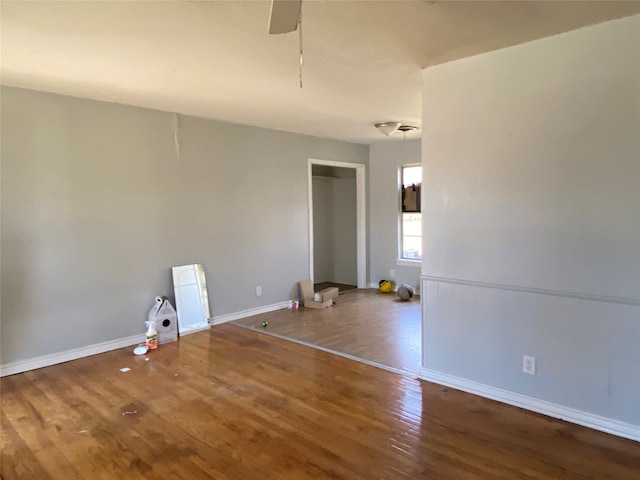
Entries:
{"x":385,"y":286}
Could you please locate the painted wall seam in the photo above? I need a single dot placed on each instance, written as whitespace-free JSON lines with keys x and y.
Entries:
{"x":537,"y":291}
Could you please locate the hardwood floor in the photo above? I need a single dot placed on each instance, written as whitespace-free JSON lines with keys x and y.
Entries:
{"x":231,"y":403}
{"x":367,"y":324}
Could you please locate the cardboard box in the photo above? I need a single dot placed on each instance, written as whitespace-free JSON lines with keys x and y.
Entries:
{"x":328,"y":294}
{"x":308,"y":296}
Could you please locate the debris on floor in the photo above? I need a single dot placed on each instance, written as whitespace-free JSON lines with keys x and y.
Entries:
{"x":125,"y":369}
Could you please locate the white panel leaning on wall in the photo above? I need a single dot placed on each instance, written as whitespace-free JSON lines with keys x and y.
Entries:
{"x":192,"y":299}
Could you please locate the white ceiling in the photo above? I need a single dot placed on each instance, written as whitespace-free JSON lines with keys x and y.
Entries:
{"x":214,"y":59}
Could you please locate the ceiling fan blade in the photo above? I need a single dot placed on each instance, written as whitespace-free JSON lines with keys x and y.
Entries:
{"x":284,"y":16}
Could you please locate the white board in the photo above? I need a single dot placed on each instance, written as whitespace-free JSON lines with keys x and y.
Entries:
{"x":192,"y":300}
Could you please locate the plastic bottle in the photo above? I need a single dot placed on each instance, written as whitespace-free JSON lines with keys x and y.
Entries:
{"x":152,"y":334}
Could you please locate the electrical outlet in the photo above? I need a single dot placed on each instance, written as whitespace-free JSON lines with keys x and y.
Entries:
{"x":529,"y":365}
{"x":258,"y":291}
{"x":392,"y":273}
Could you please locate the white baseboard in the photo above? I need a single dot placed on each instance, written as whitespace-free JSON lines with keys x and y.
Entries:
{"x":416,"y":290}
{"x":194,"y":329}
{"x":586,"y":419}
{"x":73,"y":354}
{"x":217,"y":320}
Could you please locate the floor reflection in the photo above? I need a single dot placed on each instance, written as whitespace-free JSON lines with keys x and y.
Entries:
{"x":376,"y":327}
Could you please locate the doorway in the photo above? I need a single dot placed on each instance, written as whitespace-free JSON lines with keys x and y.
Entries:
{"x":337,"y":237}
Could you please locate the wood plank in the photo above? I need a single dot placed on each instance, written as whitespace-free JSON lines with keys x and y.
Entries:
{"x":233,"y":403}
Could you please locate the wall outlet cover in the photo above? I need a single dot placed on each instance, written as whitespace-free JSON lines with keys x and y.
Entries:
{"x":529,"y":364}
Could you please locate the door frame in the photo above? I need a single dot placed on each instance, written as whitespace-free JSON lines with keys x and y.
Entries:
{"x":361,"y":215}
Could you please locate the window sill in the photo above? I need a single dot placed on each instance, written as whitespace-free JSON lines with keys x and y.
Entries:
{"x":409,"y":263}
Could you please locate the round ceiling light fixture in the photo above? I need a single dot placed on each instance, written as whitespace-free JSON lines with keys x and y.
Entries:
{"x":389,"y":128}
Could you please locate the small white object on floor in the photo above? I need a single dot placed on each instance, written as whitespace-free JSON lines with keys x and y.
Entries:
{"x":125,"y":369}
{"x":141,"y":350}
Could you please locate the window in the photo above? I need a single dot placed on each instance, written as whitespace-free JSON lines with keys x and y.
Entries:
{"x":410,"y":216}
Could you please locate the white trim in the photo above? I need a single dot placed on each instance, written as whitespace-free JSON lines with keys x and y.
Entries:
{"x":335,"y":163}
{"x":73,"y":354}
{"x":196,"y":328}
{"x":538,"y":291}
{"x":408,"y":263}
{"x":361,"y":215}
{"x":76,"y":353}
{"x":229,"y":317}
{"x":586,"y":419}
{"x":310,"y":210}
{"x":361,"y":227}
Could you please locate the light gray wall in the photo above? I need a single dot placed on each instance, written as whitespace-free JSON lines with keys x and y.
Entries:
{"x":345,"y":267}
{"x":532,"y":219}
{"x":334,"y":228}
{"x":96,"y":208}
{"x":322,"y":229}
{"x":385,"y":159}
